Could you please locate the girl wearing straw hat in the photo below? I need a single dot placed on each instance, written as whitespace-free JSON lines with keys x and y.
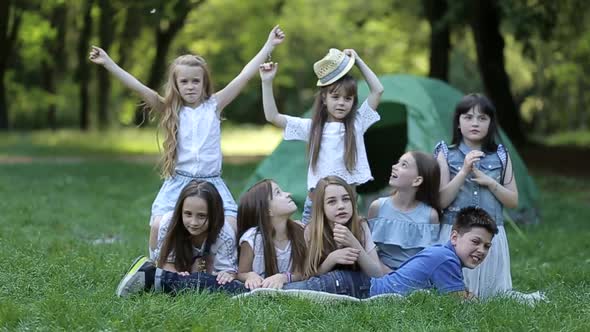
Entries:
{"x":334,"y":134}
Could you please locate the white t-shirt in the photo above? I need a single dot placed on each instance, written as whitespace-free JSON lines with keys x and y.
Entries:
{"x":254,"y":239}
{"x":224,"y":250}
{"x":199,"y":139}
{"x":331,"y":157}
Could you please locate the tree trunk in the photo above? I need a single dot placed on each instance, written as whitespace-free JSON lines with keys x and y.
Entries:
{"x":440,"y":43}
{"x":10,"y":19}
{"x":490,"y":58}
{"x":104,"y":79}
{"x":50,"y":67}
{"x":83,"y":74}
{"x":164,"y":38}
{"x":131,"y":29}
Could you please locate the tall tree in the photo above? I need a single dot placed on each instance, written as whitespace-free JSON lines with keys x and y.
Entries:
{"x":165,"y":32}
{"x":10,"y":20}
{"x":104,"y":79}
{"x":54,"y":64}
{"x":440,"y":44}
{"x":485,"y":23}
{"x":83,"y":72}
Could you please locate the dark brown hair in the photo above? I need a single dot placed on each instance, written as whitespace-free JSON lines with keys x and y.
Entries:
{"x":178,"y":239}
{"x":471,"y":216}
{"x":253,"y":211}
{"x":428,"y":169}
{"x":347,"y":85}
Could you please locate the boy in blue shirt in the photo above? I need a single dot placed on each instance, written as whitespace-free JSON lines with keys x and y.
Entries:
{"x":439,"y":267}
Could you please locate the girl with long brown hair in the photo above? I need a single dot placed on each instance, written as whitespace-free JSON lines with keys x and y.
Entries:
{"x":272,"y":247}
{"x":195,"y":248}
{"x":334,"y":135}
{"x":407,"y":221}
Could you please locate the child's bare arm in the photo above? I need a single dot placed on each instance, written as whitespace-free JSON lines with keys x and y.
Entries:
{"x":375,"y":86}
{"x":271,"y":113}
{"x":231,"y":91}
{"x":100,"y":57}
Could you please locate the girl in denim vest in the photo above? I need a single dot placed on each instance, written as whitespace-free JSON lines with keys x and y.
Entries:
{"x":190,"y":117}
{"x":476,"y":171}
{"x":407,"y":221}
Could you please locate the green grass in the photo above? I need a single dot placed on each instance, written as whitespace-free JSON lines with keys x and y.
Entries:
{"x":54,"y":277}
{"x":235,"y":140}
{"x":576,"y":138}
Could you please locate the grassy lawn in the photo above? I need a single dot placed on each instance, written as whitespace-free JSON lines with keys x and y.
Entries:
{"x":235,"y":140}
{"x":57,"y":272}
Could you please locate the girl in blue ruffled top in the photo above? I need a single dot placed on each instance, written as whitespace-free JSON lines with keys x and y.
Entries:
{"x":407,"y":221}
{"x":477,"y":171}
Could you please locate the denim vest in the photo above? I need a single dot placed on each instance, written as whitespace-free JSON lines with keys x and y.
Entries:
{"x":471,"y":193}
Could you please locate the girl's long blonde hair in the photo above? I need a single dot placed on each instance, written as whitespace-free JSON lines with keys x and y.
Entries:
{"x":171,"y":105}
{"x":320,"y":115}
{"x":321,"y":240}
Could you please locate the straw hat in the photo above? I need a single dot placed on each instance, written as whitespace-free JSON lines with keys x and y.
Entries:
{"x":332,"y":67}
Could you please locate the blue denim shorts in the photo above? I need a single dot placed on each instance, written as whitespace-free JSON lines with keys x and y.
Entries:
{"x":170,"y":190}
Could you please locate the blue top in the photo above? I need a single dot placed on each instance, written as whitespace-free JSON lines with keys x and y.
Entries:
{"x":400,"y":235}
{"x":436,"y":267}
{"x":471,"y":193}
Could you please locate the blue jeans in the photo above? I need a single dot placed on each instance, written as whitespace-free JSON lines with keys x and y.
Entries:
{"x":172,"y":282}
{"x":343,"y":282}
{"x":306,"y":215}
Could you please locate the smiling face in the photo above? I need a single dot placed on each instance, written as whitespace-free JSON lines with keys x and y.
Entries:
{"x":189,"y":80}
{"x":472,"y":247}
{"x":474,"y":125}
{"x":337,"y":204}
{"x":404,"y":174}
{"x":338,"y":104}
{"x":281,"y":203}
{"x":195,"y":216}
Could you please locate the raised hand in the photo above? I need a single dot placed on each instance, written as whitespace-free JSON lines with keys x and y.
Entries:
{"x":345,"y":256}
{"x":276,"y":36}
{"x":351,"y":53}
{"x":471,"y":157}
{"x":99,"y":56}
{"x":344,"y":237}
{"x":268,"y":71}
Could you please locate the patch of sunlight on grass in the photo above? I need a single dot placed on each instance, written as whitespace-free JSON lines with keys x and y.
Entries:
{"x":236,"y":140}
{"x":250,"y":140}
{"x":579,"y":138}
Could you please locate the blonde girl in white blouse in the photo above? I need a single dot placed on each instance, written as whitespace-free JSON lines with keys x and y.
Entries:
{"x":190,"y":113}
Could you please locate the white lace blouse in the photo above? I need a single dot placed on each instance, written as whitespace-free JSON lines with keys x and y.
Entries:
{"x":199,"y":139}
{"x":331,"y":156}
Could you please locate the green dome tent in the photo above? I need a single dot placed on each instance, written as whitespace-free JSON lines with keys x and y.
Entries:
{"x":416,"y":113}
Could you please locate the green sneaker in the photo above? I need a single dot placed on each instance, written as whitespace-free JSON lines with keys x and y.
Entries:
{"x":137,"y":278}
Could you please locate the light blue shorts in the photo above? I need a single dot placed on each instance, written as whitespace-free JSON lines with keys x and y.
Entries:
{"x":170,"y":190}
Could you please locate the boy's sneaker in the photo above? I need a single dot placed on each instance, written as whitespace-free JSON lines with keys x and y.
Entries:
{"x":139,"y":277}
